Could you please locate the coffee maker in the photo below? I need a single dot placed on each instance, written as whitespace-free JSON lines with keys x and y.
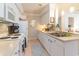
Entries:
{"x":14,"y":28}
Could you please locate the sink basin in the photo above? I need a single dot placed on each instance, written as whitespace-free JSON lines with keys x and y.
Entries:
{"x":61,"y":34}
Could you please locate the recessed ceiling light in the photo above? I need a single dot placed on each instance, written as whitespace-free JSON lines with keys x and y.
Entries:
{"x":39,"y":4}
{"x":72,"y":9}
{"x":62,"y":12}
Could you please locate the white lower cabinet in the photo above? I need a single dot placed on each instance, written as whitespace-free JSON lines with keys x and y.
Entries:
{"x":56,"y":47}
{"x":72,"y":48}
{"x":16,"y":52}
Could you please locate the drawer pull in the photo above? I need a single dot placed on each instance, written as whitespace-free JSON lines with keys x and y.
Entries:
{"x":51,"y":41}
{"x":15,"y":52}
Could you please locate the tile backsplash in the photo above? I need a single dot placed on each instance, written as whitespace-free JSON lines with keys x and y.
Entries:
{"x":3,"y":28}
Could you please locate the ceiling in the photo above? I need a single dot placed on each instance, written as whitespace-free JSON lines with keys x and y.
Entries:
{"x":66,"y":6}
{"x":35,"y":8}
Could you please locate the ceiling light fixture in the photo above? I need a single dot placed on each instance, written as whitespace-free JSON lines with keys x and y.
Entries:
{"x":72,"y":9}
{"x":62,"y":13}
{"x":39,"y":4}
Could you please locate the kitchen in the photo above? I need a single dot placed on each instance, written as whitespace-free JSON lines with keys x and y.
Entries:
{"x":39,"y":29}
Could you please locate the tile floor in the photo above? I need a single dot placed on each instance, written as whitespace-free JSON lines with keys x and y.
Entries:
{"x":29,"y":50}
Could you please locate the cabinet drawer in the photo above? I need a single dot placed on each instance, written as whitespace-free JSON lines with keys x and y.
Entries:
{"x":51,"y":40}
{"x":55,"y":41}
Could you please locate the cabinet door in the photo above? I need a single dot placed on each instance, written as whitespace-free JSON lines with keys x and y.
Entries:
{"x":10,"y":12}
{"x":2,"y":10}
{"x":45,"y":41}
{"x":58,"y":48}
{"x":17,"y":12}
{"x":16,"y":52}
{"x":58,"y":51}
{"x":55,"y":47}
{"x":51,"y":43}
{"x":39,"y":36}
{"x":72,"y":48}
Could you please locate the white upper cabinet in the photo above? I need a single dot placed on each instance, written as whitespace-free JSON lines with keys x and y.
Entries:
{"x":2,"y":10}
{"x":10,"y":12}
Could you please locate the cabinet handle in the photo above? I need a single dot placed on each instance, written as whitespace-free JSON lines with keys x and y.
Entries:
{"x":15,"y":52}
{"x":48,"y":39}
{"x":51,"y":41}
{"x":18,"y":50}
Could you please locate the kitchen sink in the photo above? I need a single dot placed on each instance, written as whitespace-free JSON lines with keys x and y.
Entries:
{"x":62,"y":34}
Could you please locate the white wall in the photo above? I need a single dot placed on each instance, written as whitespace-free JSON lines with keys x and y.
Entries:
{"x":44,"y":15}
{"x":42,"y":18}
{"x":45,"y":18}
{"x":31,"y":30}
{"x":76,"y":20}
{"x":3,"y":28}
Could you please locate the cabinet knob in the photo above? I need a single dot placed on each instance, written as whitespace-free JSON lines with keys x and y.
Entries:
{"x":18,"y":50}
{"x":15,"y":52}
{"x":51,"y":41}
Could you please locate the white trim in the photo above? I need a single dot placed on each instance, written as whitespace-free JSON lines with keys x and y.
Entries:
{"x":19,"y":9}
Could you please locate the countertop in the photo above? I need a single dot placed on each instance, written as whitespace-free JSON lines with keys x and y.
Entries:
{"x":8,"y":46}
{"x":64,"y":39}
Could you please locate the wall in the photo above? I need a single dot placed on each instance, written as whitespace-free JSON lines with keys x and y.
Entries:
{"x":42,"y":18}
{"x":44,"y":15}
{"x":45,"y":18}
{"x":31,"y":29}
{"x":76,"y":20}
{"x":3,"y":29}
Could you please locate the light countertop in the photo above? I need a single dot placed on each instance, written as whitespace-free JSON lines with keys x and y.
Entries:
{"x":70,"y":38}
{"x":8,"y":46}
{"x":64,"y":39}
